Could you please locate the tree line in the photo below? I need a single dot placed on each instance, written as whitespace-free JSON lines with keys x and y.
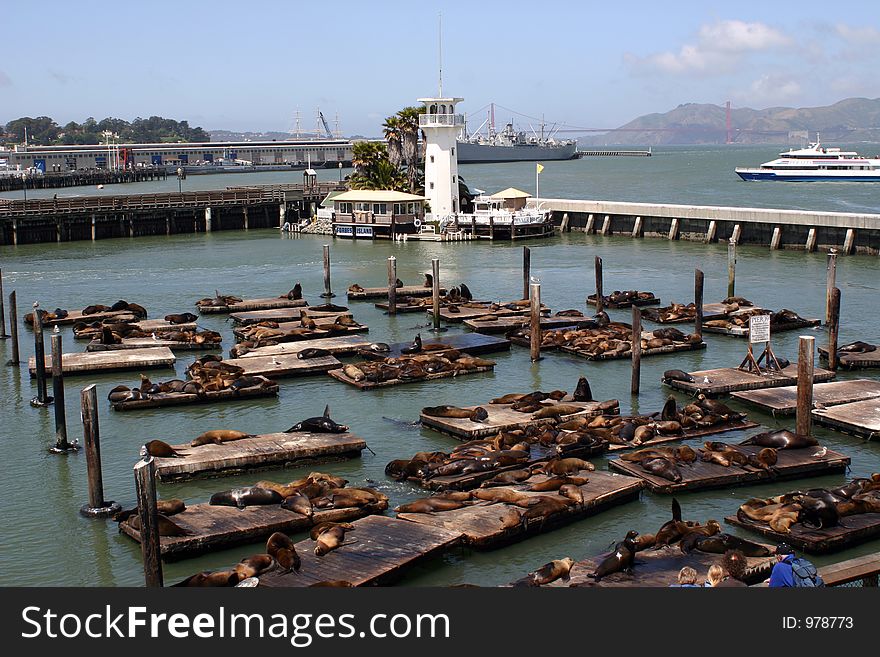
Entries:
{"x":44,"y":131}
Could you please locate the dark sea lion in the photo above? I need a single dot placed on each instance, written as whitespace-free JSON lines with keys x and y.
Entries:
{"x":415,"y":347}
{"x":295,"y":293}
{"x":246,"y":496}
{"x":670,"y":333}
{"x":721,"y":543}
{"x":465,"y":292}
{"x":211,"y":578}
{"x":670,"y":409}
{"x":219,"y":436}
{"x":557,"y":410}
{"x":312,"y":352}
{"x":167,"y":527}
{"x":161,"y":449}
{"x":137,"y":310}
{"x":620,"y":560}
{"x":582,"y":391}
{"x":818,"y":513}
{"x":781,"y":439}
{"x":323,"y":424}
{"x":550,"y":572}
{"x":477,"y":414}
{"x":507,"y":478}
{"x":282,"y":549}
{"x":857,"y":347}
{"x":677,"y":375}
{"x":298,"y":503}
{"x":181,"y":318}
{"x":662,"y":467}
{"x":243,"y":382}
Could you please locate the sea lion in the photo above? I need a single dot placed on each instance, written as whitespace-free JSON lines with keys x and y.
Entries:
{"x":566,"y":466}
{"x":282,"y":549}
{"x":415,"y":347}
{"x":294,"y":293}
{"x":818,"y":513}
{"x":211,"y":578}
{"x":555,"y":483}
{"x":507,"y":478}
{"x":162,"y":449}
{"x":323,"y":424}
{"x":354,"y":373}
{"x":721,"y":543}
{"x":765,"y":459}
{"x":550,"y":572}
{"x":329,"y":536}
{"x":677,"y":375}
{"x":312,"y":352}
{"x":582,"y":391}
{"x":573,"y":492}
{"x":543,"y":507}
{"x":254,"y":565}
{"x":857,"y":347}
{"x":298,"y":503}
{"x":477,"y":414}
{"x":662,"y":467}
{"x":781,"y":439}
{"x":670,"y":410}
{"x":506,"y":496}
{"x":246,"y":496}
{"x":430,"y":505}
{"x":620,"y":560}
{"x":167,"y":527}
{"x":180,"y":318}
{"x":219,"y":436}
{"x":557,"y":410}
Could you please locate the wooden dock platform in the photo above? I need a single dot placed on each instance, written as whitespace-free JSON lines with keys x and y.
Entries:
{"x":503,"y":324}
{"x":377,"y":552}
{"x":343,"y":344}
{"x":607,"y":303}
{"x":481,"y":523}
{"x":783,"y":400}
{"x":463,"y":312}
{"x":322,"y":330}
{"x":791,"y":464}
{"x":501,"y":418}
{"x":710,"y":311}
{"x":675,"y":347}
{"x":169,"y":399}
{"x":405,"y":291}
{"x":659,"y":568}
{"x":258,"y":453}
{"x":468,"y":343}
{"x":74,"y":316}
{"x":743,"y":331}
{"x":144,"y":325}
{"x":856,"y":529}
{"x":339,"y":375}
{"x":861,"y":418}
{"x":283,"y":315}
{"x":851,"y":361}
{"x":268,"y":303}
{"x":731,"y":379}
{"x":108,"y":361}
{"x":149,"y":343}
{"x":216,"y":527}
{"x":283,"y":365}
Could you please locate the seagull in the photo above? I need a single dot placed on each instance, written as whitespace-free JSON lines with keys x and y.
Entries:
{"x":822,"y":452}
{"x":275,"y":361}
{"x":155,"y":337}
{"x":706,"y":379}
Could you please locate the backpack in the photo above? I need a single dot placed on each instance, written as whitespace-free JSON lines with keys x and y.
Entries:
{"x":805,"y":574}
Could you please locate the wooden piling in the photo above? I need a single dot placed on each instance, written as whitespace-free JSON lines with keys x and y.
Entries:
{"x":145,"y":481}
{"x":600,"y":305}
{"x":435,"y":291}
{"x":830,"y":282}
{"x":527,"y":268}
{"x":42,"y":398}
{"x":392,"y":285}
{"x":849,"y":241}
{"x":806,"y":350}
{"x":833,"y":329}
{"x":3,"y":334}
{"x":698,"y":302}
{"x":61,"y":443}
{"x":710,"y":232}
{"x":97,"y":506}
{"x":776,"y":239}
{"x":636,"y":349}
{"x":535,"y":332}
{"x":13,"y":328}
{"x":731,"y":267}
{"x":328,"y":294}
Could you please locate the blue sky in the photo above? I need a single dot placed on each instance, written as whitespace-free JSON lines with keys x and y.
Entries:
{"x":250,"y":65}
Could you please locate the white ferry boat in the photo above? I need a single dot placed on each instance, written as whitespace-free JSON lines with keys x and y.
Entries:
{"x":816,"y":163}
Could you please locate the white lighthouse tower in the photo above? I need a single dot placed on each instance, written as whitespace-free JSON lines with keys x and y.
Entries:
{"x":442,"y":127}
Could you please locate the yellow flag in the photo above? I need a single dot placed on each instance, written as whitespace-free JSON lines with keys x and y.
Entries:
{"x":540,"y":167}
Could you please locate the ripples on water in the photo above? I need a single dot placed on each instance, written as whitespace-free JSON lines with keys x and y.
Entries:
{"x":42,"y":533}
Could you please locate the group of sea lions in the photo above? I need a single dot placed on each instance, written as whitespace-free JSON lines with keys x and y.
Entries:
{"x":779,"y":319}
{"x":280,"y":555}
{"x":137,"y":310}
{"x":680,"y":312}
{"x":269,"y":332}
{"x":114,"y":334}
{"x":622,"y":296}
{"x":166,"y":526}
{"x":219,"y":300}
{"x":412,"y":367}
{"x":46,"y":316}
{"x":613,"y":339}
{"x":493,"y":310}
{"x":816,"y":508}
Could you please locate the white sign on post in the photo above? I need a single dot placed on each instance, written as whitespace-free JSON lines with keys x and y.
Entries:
{"x":759,"y":328}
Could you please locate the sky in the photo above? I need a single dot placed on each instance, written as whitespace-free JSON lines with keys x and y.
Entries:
{"x":251,"y":65}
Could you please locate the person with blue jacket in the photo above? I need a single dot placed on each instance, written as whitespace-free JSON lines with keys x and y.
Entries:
{"x":790,"y":571}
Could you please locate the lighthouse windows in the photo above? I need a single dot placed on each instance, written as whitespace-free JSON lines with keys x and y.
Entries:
{"x":453,"y":150}
{"x":432,"y":159}
{"x":432,"y":185}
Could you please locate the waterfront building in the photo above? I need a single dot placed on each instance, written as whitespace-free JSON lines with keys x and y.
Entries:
{"x":372,"y":213}
{"x":441,"y":126}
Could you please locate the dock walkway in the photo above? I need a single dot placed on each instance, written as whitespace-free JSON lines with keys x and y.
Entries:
{"x":860,"y":418}
{"x":108,"y":361}
{"x":853,"y":530}
{"x":783,"y":400}
{"x":731,"y":379}
{"x":266,"y":303}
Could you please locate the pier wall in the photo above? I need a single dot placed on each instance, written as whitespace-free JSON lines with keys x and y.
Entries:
{"x":777,"y":229}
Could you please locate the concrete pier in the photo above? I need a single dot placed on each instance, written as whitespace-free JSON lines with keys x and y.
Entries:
{"x":773,"y":228}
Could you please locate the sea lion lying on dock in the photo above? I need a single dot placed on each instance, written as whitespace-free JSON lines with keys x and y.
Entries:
{"x":245,"y":496}
{"x":181,"y":318}
{"x":857,"y":347}
{"x":430,"y":505}
{"x":781,"y":439}
{"x":282,"y":549}
{"x":477,"y":414}
{"x":329,"y":536}
{"x":549,"y":572}
{"x":166,"y":526}
{"x":220,"y":436}
{"x":161,"y":449}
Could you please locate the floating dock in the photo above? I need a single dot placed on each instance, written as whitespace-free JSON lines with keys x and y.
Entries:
{"x":856,"y":529}
{"x":481,"y":523}
{"x":463,"y":312}
{"x":700,"y":475}
{"x":783,"y":400}
{"x":659,"y":568}
{"x":168,"y":399}
{"x":405,"y":291}
{"x":339,"y":375}
{"x":861,"y":418}
{"x":675,"y":347}
{"x":282,"y":365}
{"x":269,"y":303}
{"x":260,"y":452}
{"x":146,"y":325}
{"x":851,"y":361}
{"x":688,"y":434}
{"x":743,"y":331}
{"x":108,"y":361}
{"x":468,"y":343}
{"x":283,"y":315}
{"x":149,"y":343}
{"x":377,"y":552}
{"x":732,"y":379}
{"x":74,"y":316}
{"x":344,"y":344}
{"x":607,"y":303}
{"x":320,"y":331}
{"x":506,"y":323}
{"x":502,"y":418}
{"x":710,"y":311}
{"x":216,"y":527}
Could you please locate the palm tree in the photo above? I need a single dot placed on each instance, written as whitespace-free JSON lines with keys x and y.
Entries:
{"x":408,"y":119}
{"x":394,"y":136}
{"x":365,"y":154}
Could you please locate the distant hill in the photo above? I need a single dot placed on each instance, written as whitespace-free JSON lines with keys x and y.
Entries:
{"x":851,"y":120}
{"x":229,"y":135}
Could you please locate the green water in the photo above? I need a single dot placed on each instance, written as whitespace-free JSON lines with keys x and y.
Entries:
{"x":44,"y":541}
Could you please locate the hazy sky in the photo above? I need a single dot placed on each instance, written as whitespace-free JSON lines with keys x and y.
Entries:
{"x":249,"y":65}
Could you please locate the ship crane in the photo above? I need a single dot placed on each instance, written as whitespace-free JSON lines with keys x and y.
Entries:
{"x":326,"y":127}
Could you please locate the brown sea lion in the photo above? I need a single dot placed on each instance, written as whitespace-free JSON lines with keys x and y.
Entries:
{"x":566,"y":466}
{"x":506,"y":478}
{"x":254,"y":565}
{"x":283,"y":550}
{"x":662,"y":467}
{"x":298,"y":503}
{"x":573,"y":492}
{"x":329,"y":538}
{"x":554,"y":483}
{"x":505,"y":495}
{"x":167,"y":527}
{"x":781,"y":439}
{"x":430,"y":505}
{"x":220,"y":436}
{"x":211,"y":578}
{"x":544,"y":507}
{"x":550,"y":572}
{"x":557,"y":410}
{"x":477,"y":414}
{"x":162,"y":449}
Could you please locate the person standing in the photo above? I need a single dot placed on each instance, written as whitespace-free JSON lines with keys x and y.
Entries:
{"x":735,"y":564}
{"x":791,"y":571}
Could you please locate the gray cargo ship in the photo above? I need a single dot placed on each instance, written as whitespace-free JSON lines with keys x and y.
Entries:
{"x":511,"y":145}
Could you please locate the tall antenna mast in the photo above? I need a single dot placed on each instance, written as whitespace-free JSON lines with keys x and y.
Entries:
{"x":440,"y":49}
{"x":297,"y":128}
